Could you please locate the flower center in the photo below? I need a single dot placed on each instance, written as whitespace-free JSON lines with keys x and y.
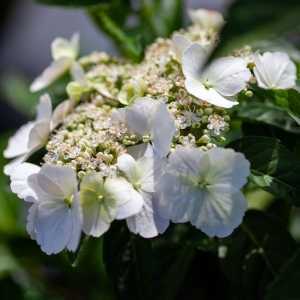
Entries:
{"x":69,"y":200}
{"x":207,"y":84}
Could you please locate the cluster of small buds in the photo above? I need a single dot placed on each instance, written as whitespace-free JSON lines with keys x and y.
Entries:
{"x":87,"y":141}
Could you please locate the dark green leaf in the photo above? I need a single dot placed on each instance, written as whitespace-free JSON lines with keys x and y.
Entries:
{"x":255,"y":254}
{"x":72,"y":3}
{"x":252,"y":20}
{"x":286,"y":285}
{"x":267,"y":113}
{"x":268,"y":157}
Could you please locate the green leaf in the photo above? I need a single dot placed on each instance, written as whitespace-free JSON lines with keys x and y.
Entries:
{"x":162,"y":16}
{"x":255,"y":254}
{"x":271,"y":160}
{"x":252,"y":20}
{"x":15,"y":89}
{"x":268,"y":113}
{"x":286,"y":285}
{"x":72,"y":3}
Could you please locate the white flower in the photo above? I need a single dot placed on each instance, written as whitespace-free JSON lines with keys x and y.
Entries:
{"x":148,"y":223}
{"x":223,"y":79}
{"x":34,"y":135}
{"x":207,"y":19}
{"x":204,"y":188}
{"x":55,"y":218}
{"x":103,"y":201}
{"x":149,"y":117}
{"x":64,"y":54}
{"x":274,"y":71}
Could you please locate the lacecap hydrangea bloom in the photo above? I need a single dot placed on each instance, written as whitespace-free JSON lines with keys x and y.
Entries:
{"x":140,"y":142}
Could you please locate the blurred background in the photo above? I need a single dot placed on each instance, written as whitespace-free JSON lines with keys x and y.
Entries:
{"x":26,"y":32}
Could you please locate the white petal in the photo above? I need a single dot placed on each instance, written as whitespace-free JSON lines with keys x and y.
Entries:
{"x":211,"y":96}
{"x":60,"y":113}
{"x":54,"y":182}
{"x":97,"y":213}
{"x":39,"y":135}
{"x":18,"y":143}
{"x":205,"y":18}
{"x":220,"y":213}
{"x":128,"y":200}
{"x":57,"y":227}
{"x":228,"y":75}
{"x":78,"y":74}
{"x":176,"y":195}
{"x":31,"y":220}
{"x":63,"y":48}
{"x":147,"y":223}
{"x":19,"y":181}
{"x":127,"y":164}
{"x":10,"y":167}
{"x":228,"y":167}
{"x":274,"y":71}
{"x":179,"y":44}
{"x":193,"y":61}
{"x":44,"y":108}
{"x":138,"y":116}
{"x":51,"y":73}
{"x":75,"y":232}
{"x":163,"y":130}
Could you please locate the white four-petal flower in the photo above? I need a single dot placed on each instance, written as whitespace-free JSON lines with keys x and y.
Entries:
{"x":104,"y":200}
{"x":220,"y":82}
{"x":274,"y":70}
{"x":204,"y":188}
{"x":140,"y":173}
{"x":55,"y":217}
{"x":64,"y":54}
{"x":149,"y":117}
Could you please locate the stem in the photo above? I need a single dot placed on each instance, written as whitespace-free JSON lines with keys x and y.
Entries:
{"x":257,"y":243}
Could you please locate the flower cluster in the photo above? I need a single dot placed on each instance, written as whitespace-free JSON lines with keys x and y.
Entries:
{"x":140,"y":142}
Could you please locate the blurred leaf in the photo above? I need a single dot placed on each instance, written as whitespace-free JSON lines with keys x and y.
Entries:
{"x":162,"y":16}
{"x":8,"y":263}
{"x":252,"y":20}
{"x":286,"y":285}
{"x":72,"y":3}
{"x":11,"y":210}
{"x":255,"y":253}
{"x":271,"y":160}
{"x":16,"y":90}
{"x":133,"y":29}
